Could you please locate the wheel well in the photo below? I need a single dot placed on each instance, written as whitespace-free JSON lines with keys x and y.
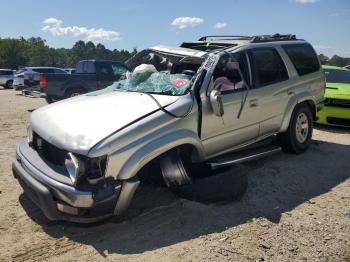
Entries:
{"x":151,"y":172}
{"x":312,"y":106}
{"x":69,"y":89}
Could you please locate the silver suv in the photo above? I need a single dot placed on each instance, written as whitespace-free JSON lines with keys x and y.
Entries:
{"x":84,"y":156}
{"x":6,"y":78}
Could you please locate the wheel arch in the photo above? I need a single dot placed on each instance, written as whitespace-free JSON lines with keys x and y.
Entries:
{"x":303,"y":98}
{"x":77,"y":87}
{"x":186,"y":140}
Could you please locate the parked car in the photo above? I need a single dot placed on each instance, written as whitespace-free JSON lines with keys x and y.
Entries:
{"x":90,"y":75}
{"x":83,"y":158}
{"x":70,"y":70}
{"x":6,"y":78}
{"x":30,"y":76}
{"x":335,"y":110}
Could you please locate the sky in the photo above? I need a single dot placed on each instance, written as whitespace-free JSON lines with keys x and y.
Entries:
{"x":127,"y":24}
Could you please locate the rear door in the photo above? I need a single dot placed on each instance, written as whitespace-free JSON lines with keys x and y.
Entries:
{"x":269,"y":89}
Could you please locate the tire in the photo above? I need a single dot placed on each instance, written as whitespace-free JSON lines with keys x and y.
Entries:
{"x":49,"y":100}
{"x":74,"y":92}
{"x":224,"y":186}
{"x":9,"y":84}
{"x":298,"y":136}
{"x":199,"y":182}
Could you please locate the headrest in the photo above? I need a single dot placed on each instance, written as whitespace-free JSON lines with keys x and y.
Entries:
{"x":232,"y":71}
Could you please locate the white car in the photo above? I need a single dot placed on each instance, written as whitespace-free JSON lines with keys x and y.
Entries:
{"x":30,"y":76}
{"x":6,"y":78}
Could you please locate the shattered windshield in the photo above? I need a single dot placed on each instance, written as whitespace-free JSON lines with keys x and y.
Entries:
{"x":158,"y":73}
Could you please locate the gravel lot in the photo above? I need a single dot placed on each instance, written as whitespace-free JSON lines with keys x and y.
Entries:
{"x":297,"y":208}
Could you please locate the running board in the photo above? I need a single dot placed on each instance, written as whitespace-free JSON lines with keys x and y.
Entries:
{"x":244,"y":156}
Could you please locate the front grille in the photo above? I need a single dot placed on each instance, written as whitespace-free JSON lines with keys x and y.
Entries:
{"x":338,"y":121}
{"x":48,"y":151}
{"x":338,"y":103}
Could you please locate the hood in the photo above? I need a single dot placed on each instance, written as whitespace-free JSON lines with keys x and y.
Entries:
{"x":337,"y":91}
{"x":79,"y":123}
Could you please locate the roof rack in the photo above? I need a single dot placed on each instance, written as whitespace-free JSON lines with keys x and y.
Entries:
{"x":225,"y":37}
{"x":275,"y":37}
{"x":252,"y":39}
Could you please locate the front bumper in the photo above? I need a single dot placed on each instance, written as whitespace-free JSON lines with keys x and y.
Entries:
{"x":38,"y":183}
{"x":333,"y":115}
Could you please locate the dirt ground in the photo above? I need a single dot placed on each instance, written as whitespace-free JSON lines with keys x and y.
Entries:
{"x":297,"y":208}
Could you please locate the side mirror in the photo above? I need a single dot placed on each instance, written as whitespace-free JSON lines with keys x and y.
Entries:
{"x":216,"y":103}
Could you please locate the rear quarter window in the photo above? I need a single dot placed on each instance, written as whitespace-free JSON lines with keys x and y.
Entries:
{"x":303,"y":57}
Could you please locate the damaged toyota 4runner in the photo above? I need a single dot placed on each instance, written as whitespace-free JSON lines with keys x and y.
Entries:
{"x":177,"y":106}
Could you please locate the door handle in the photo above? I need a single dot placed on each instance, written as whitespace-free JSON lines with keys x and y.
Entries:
{"x":253,"y":103}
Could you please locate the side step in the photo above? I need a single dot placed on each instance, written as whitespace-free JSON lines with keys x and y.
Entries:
{"x":244,"y":155}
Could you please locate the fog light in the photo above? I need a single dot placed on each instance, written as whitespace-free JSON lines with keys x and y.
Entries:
{"x":67,"y":209}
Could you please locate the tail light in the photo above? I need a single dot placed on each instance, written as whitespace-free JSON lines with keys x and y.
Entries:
{"x":43,"y":82}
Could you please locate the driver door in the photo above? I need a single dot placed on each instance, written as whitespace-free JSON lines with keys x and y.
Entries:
{"x":238,"y":125}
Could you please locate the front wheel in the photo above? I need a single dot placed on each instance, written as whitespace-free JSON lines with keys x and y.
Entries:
{"x":298,"y":136}
{"x":9,"y":84}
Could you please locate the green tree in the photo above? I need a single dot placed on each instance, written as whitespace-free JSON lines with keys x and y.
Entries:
{"x":13,"y":53}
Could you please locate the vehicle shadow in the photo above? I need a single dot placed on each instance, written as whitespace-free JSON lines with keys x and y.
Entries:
{"x":157,"y":218}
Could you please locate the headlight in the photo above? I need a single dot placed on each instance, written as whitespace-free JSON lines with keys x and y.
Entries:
{"x":92,"y":169}
{"x":29,"y":134}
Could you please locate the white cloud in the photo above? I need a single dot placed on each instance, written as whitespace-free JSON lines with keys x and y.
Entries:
{"x":183,"y":22}
{"x":53,"y":25}
{"x":52,"y":21}
{"x":306,"y":1}
{"x":220,"y":25}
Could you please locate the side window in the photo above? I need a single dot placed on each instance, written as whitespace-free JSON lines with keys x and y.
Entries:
{"x":227,"y":77}
{"x":267,"y":67}
{"x":86,"y":67}
{"x":303,"y":58}
{"x":90,"y":67}
{"x":105,"y":69}
{"x":119,"y":70}
{"x":79,"y":69}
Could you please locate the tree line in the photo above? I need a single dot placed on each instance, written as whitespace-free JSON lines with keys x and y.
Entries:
{"x":16,"y":53}
{"x":334,"y":60}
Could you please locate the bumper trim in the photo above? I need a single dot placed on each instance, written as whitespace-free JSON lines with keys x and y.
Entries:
{"x":39,"y":194}
{"x":66,"y":193}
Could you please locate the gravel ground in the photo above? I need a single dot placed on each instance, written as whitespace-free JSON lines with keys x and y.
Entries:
{"x":297,"y":208}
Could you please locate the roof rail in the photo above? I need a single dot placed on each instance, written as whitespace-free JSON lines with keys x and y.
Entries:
{"x":275,"y":37}
{"x":225,"y":37}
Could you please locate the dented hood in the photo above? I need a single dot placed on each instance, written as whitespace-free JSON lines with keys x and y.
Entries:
{"x":77,"y":124}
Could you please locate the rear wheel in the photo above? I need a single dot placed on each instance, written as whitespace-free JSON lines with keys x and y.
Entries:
{"x":298,"y":136}
{"x":74,"y":92}
{"x":48,"y":99}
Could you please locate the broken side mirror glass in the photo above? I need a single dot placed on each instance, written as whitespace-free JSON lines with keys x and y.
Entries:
{"x":216,"y":103}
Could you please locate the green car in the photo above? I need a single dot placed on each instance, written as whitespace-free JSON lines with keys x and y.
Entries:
{"x":335,"y":110}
